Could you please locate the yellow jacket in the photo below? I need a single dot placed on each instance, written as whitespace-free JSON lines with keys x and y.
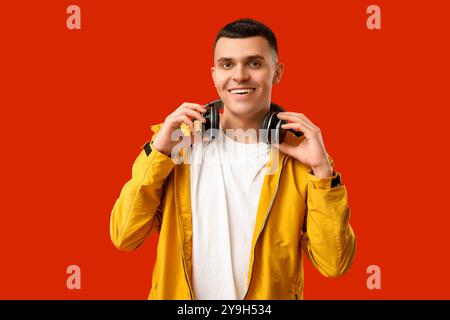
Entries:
{"x":157,"y":199}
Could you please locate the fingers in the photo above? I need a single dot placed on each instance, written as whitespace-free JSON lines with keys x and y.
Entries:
{"x":193,"y":114}
{"x":194,"y":106}
{"x":285,"y":148}
{"x":185,"y":119}
{"x":296,"y":123}
{"x":192,"y":110}
{"x":294,"y":117}
{"x":296,"y":126}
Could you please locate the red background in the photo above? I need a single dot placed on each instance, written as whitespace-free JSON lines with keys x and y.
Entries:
{"x":76,"y":105}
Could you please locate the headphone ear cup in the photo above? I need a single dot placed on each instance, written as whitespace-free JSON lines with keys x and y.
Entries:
{"x":271,"y":126}
{"x":211,"y":126}
{"x":215,"y":122}
{"x":281,"y":133}
{"x":265,"y":128}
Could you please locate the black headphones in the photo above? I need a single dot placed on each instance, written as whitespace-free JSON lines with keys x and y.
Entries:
{"x":270,"y":122}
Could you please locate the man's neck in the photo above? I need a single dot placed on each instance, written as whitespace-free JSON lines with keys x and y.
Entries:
{"x":233,"y":124}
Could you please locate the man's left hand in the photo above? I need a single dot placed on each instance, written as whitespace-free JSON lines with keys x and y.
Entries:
{"x":311,"y":151}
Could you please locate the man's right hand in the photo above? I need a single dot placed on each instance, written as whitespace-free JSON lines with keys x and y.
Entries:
{"x":185,"y":113}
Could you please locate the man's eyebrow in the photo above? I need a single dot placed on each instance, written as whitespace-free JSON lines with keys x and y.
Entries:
{"x":252,"y":57}
{"x":256,"y":56}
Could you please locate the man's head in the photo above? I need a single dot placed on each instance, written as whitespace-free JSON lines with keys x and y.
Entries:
{"x":246,"y":56}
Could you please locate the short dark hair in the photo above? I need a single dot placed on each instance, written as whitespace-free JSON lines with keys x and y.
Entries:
{"x":246,"y":28}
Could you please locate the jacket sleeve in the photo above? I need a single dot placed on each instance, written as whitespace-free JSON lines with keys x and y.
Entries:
{"x":328,"y":240}
{"x":137,"y":210}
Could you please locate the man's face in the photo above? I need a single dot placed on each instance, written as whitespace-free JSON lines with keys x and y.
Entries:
{"x":247,"y":64}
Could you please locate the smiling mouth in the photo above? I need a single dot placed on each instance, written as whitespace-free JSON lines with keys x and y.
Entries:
{"x":242,"y":91}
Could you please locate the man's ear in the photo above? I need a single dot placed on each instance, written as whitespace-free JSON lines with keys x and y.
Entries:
{"x":279,"y":69}
{"x":213,"y":75}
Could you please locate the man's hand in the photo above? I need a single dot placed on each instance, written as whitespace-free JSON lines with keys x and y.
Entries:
{"x":184,"y":114}
{"x":311,"y":151}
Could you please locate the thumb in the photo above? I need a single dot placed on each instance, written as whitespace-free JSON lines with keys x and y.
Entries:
{"x":285,"y":148}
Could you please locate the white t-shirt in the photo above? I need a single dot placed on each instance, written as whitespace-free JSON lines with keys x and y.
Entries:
{"x":225,"y":179}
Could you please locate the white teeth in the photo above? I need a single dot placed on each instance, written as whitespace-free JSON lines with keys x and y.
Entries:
{"x":242,"y":90}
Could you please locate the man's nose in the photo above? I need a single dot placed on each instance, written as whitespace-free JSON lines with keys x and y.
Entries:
{"x":241,"y":74}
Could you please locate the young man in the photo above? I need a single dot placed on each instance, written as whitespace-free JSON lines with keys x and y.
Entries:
{"x":228,"y":229}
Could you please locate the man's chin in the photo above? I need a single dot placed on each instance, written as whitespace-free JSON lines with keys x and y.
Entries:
{"x":240,"y":107}
{"x":247,"y":110}
{"x":249,"y":104}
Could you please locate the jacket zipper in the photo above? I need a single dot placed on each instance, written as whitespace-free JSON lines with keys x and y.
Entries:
{"x":264,"y":224}
{"x":182,"y":249}
{"x":185,"y":273}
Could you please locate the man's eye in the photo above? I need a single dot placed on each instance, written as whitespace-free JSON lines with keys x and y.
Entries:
{"x":255,"y":63}
{"x":226,"y":65}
